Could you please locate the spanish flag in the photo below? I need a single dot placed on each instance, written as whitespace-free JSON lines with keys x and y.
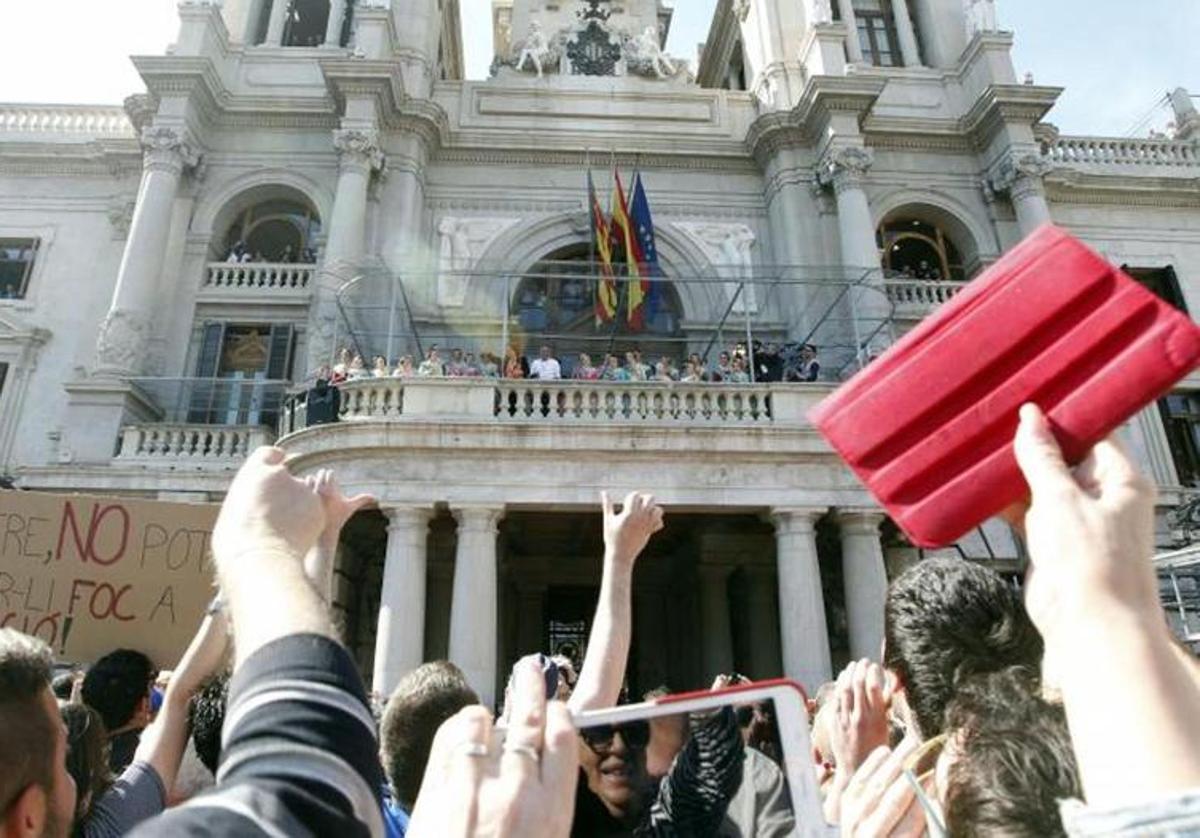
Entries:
{"x":634,"y":260}
{"x":606,"y":286}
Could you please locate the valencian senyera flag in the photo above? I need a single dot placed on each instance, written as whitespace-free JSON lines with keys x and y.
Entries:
{"x":634,"y":260}
{"x":606,"y":285}
{"x":643,"y":226}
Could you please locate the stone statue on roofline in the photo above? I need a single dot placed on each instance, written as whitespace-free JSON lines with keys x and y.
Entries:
{"x":644,"y":56}
{"x":536,"y":50}
{"x":980,"y":17}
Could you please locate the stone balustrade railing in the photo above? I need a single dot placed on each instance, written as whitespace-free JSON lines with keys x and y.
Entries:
{"x":508,"y":401}
{"x":258,"y":277}
{"x":920,"y":295}
{"x":652,"y":402}
{"x":1107,"y":151}
{"x":190,"y":446}
{"x":65,"y":119}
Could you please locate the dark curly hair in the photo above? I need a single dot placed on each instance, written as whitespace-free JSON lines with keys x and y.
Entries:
{"x":946,"y":620}
{"x":1013,"y":759}
{"x":206,"y":715}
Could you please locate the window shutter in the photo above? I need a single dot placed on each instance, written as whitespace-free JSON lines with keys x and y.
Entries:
{"x":208,"y":360}
{"x":279,"y":361}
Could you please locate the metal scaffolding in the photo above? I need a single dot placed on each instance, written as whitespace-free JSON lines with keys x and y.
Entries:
{"x":848,"y":318}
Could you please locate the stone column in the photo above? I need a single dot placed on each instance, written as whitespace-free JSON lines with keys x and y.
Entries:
{"x":333,"y":29}
{"x":125,"y":332}
{"x":275,"y":24}
{"x":400,"y":638}
{"x":845,"y":169}
{"x":865,"y":578}
{"x":359,"y":156}
{"x":1020,"y":175}
{"x":907,"y":34}
{"x":473,"y":625}
{"x":716,"y":633}
{"x":804,"y":635}
{"x":763,"y":617}
{"x":854,"y":52}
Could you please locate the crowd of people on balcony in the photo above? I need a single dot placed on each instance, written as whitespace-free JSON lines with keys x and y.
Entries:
{"x":1065,"y":709}
{"x":240,"y":253}
{"x":791,"y":363}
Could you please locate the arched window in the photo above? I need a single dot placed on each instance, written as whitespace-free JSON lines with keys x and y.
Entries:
{"x":916,"y":249}
{"x":278,"y":230}
{"x":555,"y":303}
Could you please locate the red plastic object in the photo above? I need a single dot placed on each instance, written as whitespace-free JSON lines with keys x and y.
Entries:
{"x":928,"y":427}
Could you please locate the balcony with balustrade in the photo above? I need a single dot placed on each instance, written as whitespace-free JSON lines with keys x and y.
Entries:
{"x":1155,"y":157}
{"x":260,"y":282}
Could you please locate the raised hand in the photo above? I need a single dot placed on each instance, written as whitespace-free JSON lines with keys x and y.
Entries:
{"x":1090,"y":531}
{"x":860,"y":723}
{"x":476,"y":787}
{"x":627,"y":532}
{"x":266,"y":509}
{"x":338,"y":507}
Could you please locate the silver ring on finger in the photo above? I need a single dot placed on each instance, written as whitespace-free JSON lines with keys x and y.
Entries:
{"x":475,"y":750}
{"x":525,"y":751}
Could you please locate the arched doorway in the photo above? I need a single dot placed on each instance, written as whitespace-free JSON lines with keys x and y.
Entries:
{"x":555,"y":304}
{"x":282,"y":229}
{"x":919,"y":245}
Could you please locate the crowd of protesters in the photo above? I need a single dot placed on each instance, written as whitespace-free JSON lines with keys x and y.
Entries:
{"x":1068,"y":709}
{"x":736,"y":365}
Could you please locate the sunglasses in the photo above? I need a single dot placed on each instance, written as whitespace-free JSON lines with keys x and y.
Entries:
{"x":633,"y":734}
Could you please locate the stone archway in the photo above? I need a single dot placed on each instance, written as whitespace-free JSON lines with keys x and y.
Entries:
{"x":522,"y":246}
{"x":973,"y":241}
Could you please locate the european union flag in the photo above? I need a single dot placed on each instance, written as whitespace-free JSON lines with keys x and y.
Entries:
{"x":643,"y":225}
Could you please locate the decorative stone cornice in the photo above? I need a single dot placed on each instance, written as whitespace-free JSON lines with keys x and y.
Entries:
{"x":168,"y":149}
{"x":844,"y":168}
{"x":359,"y":148}
{"x":141,"y":108}
{"x":823,"y":97}
{"x":1002,"y":103}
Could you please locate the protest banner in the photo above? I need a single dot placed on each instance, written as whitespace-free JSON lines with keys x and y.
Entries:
{"x":91,"y":574}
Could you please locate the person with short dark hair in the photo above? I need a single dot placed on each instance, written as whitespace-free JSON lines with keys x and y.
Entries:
{"x":36,"y":791}
{"x":422,"y":701}
{"x":946,"y":620}
{"x":118,"y":688}
{"x":1008,"y":761}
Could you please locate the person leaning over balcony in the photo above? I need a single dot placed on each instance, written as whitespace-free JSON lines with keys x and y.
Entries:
{"x":721,"y":370}
{"x":432,"y":366}
{"x":692,"y":374}
{"x":613,"y":371}
{"x":380,"y":370}
{"x":489,"y":365}
{"x":585,"y":370}
{"x":404,"y":368}
{"x":809,"y":368}
{"x":512,"y":364}
{"x":737,"y":373}
{"x":545,"y":367}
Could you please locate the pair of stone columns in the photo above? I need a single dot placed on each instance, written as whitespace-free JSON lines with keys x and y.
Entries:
{"x":803,"y":633}
{"x":910,"y":53}
{"x":278,"y":20}
{"x":400,"y":640}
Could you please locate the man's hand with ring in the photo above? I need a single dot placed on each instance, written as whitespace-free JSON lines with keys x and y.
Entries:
{"x":526,"y":787}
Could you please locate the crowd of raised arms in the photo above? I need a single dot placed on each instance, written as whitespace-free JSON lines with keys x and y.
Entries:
{"x":736,"y":365}
{"x":1065,"y":709}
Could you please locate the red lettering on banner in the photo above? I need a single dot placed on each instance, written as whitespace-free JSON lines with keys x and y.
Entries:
{"x":86,"y":548}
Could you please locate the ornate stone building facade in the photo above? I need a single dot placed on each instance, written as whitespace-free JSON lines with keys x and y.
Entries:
{"x":828,"y":174}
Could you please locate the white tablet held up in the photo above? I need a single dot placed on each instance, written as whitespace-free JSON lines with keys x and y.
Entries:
{"x":726,"y":764}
